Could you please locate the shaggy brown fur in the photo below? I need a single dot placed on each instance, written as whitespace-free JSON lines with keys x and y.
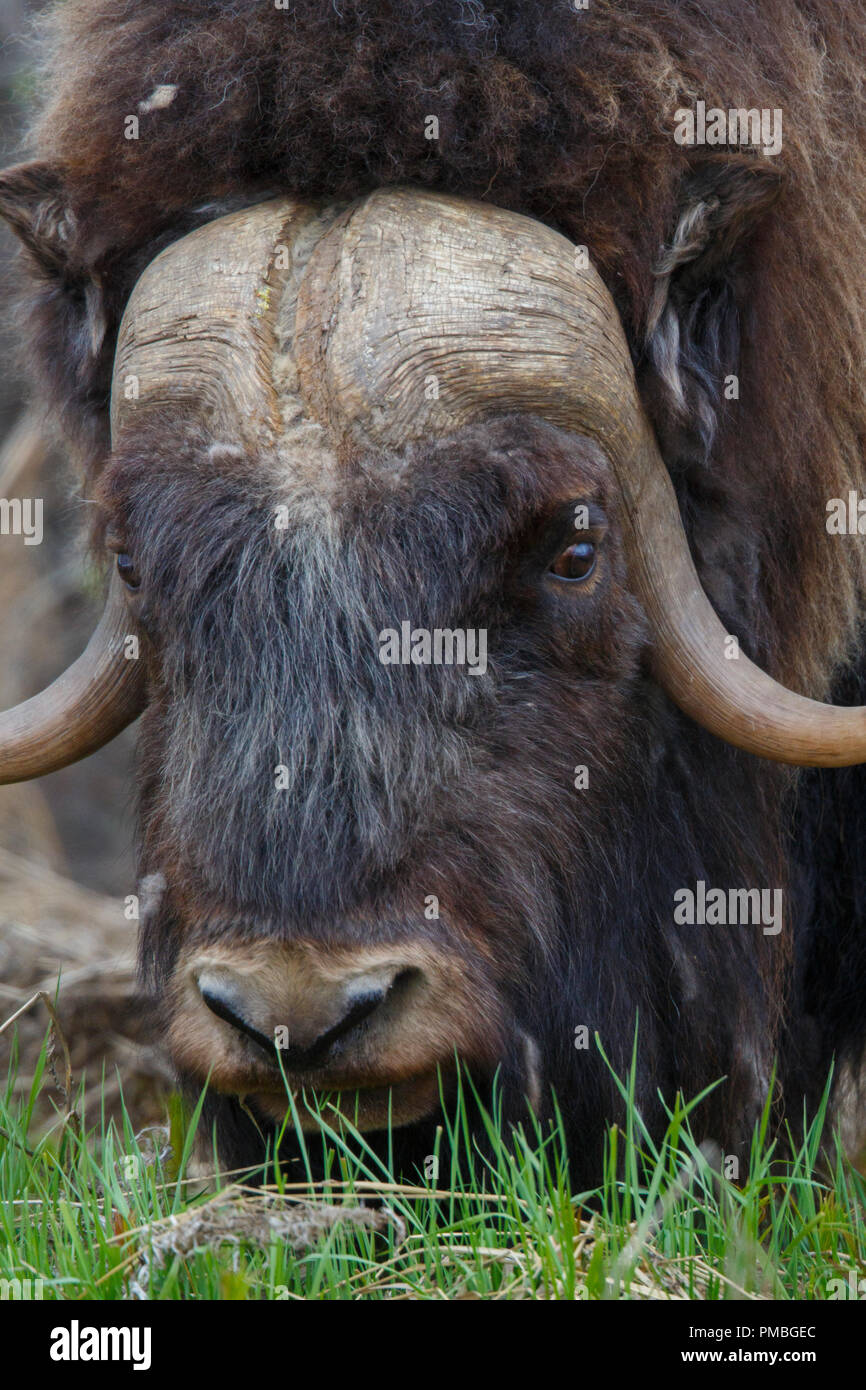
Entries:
{"x":564,"y":114}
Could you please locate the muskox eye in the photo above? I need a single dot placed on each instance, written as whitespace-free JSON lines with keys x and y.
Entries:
{"x":127,"y":571}
{"x":577,"y":562}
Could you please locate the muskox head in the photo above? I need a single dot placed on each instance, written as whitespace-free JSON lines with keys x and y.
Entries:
{"x":404,"y":570}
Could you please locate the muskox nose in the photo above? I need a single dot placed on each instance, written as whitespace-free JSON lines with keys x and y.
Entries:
{"x":301,"y":1014}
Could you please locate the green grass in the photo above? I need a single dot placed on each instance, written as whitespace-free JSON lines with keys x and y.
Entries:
{"x":95,"y":1213}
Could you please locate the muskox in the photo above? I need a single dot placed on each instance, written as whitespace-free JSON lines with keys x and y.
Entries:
{"x":376,"y":331}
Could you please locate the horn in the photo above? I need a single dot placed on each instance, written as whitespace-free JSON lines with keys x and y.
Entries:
{"x":507,"y":314}
{"x":94,"y":699}
{"x":221,"y":293}
{"x":297,"y":328}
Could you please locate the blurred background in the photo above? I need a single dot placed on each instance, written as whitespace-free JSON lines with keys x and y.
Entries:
{"x":66,"y":863}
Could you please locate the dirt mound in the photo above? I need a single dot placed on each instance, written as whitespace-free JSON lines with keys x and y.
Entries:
{"x":52,"y":929}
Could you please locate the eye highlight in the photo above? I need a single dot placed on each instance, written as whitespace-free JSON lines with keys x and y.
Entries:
{"x":127,"y":571}
{"x":576,"y":563}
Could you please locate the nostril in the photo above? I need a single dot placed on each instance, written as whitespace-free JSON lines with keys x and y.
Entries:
{"x":223,"y":1009}
{"x":362,"y":1008}
{"x":234,"y":1000}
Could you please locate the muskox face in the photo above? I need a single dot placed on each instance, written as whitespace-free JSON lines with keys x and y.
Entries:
{"x":329,"y":422}
{"x":363,"y":860}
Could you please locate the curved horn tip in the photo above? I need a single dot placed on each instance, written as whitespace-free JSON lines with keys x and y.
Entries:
{"x":87,"y":706}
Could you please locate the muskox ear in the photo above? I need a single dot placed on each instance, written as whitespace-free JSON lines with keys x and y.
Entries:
{"x":33,"y":203}
{"x":701,"y":288}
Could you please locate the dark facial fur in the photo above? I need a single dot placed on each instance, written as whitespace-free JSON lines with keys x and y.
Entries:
{"x":408,"y":781}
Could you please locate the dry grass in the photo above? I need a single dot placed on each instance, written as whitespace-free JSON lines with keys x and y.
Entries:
{"x":53,"y":930}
